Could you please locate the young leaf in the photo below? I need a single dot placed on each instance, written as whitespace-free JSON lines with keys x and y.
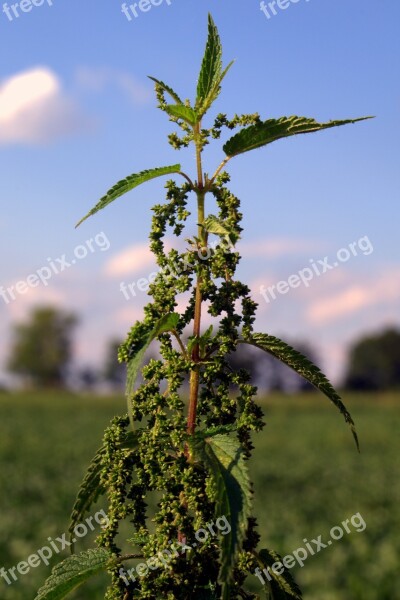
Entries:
{"x":203,"y":341}
{"x":214,"y":93}
{"x":211,"y":74}
{"x":185,"y":113}
{"x":167,"y":89}
{"x":304,"y":367}
{"x":125,"y":185}
{"x":282,"y":587}
{"x":223,"y":458}
{"x":72,"y":572}
{"x":256,"y":136}
{"x":168,"y":322}
{"x":212,"y":63}
{"x":214,"y":225}
{"x":91,"y":489}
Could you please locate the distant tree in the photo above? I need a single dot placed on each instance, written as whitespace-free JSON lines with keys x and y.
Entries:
{"x":114,"y":372}
{"x":374,"y":362}
{"x":41,"y":351}
{"x":88,"y":378}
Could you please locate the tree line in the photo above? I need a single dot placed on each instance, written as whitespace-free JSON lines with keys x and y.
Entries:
{"x":41,"y":355}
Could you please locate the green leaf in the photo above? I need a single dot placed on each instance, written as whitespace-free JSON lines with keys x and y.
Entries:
{"x":167,"y":89}
{"x":203,"y":341}
{"x":205,"y":338}
{"x":261,"y":134}
{"x":212,"y":63}
{"x":91,"y":489}
{"x":125,"y":185}
{"x":216,"y":226}
{"x":211,"y":74}
{"x":304,"y":367}
{"x":166,"y":323}
{"x":217,"y":430}
{"x":186,"y":113}
{"x":213,"y":95}
{"x":223,"y":458}
{"x":72,"y":572}
{"x":281,"y":587}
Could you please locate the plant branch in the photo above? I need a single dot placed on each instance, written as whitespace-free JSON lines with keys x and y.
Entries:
{"x":187,"y":179}
{"x":218,"y":171}
{"x":128,"y":557}
{"x":181,"y":345}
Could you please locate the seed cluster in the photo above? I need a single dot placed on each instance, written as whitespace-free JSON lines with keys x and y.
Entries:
{"x":155,"y":487}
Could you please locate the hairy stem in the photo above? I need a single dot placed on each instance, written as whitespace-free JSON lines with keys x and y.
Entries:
{"x":197,"y":141}
{"x":195,"y":375}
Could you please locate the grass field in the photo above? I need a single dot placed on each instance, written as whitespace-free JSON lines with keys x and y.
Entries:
{"x":308,"y":478}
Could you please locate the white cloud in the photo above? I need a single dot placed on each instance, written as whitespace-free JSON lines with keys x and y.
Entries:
{"x":97,"y":79}
{"x":130,"y":261}
{"x":34,"y":109}
{"x":340,"y":305}
{"x":381,"y":291}
{"x":127,"y":315}
{"x":134,"y":260}
{"x":22,"y":90}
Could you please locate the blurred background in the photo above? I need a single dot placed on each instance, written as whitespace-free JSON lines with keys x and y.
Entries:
{"x":77,"y":113}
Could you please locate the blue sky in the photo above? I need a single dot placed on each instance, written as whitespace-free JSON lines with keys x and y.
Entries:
{"x":84,"y":116}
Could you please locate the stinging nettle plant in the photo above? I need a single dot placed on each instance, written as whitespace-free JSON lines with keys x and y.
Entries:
{"x":189,"y":455}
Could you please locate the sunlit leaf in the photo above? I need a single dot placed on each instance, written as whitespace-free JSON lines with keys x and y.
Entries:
{"x":128,"y":184}
{"x":211,"y":74}
{"x":261,"y":134}
{"x":185,"y":113}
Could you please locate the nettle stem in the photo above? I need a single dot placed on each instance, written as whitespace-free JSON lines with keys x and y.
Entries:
{"x":195,"y":374}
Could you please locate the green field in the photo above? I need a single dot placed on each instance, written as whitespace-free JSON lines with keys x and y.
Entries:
{"x":308,"y":478}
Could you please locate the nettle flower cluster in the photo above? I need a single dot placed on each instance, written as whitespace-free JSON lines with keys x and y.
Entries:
{"x":163,"y":461}
{"x":178,"y":459}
